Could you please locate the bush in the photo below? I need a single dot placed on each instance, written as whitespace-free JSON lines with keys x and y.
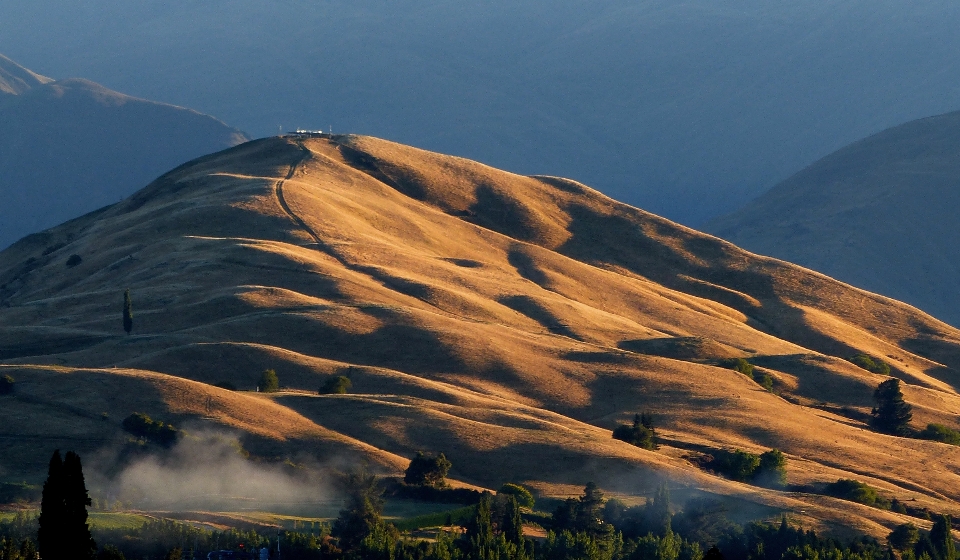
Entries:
{"x":856,"y":491}
{"x":641,"y":433}
{"x":74,"y":260}
{"x":904,"y":537}
{"x":871,"y":364}
{"x":763,"y":379}
{"x":743,"y":367}
{"x":142,"y":426}
{"x":6,"y":385}
{"x":269,"y":382}
{"x":522,"y":495}
{"x":338,"y":385}
{"x":941,"y":433}
{"x":427,"y":470}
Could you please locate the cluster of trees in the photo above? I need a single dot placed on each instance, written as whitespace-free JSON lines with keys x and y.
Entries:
{"x":142,"y":426}
{"x":588,"y":527}
{"x":641,"y":433}
{"x":592,"y":528}
{"x":766,"y":469}
{"x":912,"y":544}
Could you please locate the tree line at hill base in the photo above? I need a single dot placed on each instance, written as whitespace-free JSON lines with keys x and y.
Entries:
{"x":589,"y":527}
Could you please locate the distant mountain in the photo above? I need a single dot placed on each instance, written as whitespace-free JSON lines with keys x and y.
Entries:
{"x":15,"y":79}
{"x":71,"y":146}
{"x":686,"y":108}
{"x":882,"y":214}
{"x":509,"y":322}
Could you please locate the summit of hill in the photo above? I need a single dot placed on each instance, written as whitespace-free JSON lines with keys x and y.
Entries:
{"x":510,"y":322}
{"x":880,"y":214}
{"x":72,"y":146}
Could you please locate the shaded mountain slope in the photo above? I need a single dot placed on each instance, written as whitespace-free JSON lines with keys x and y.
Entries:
{"x":72,"y":146}
{"x":510,"y":322}
{"x":689,"y":109}
{"x":15,"y":79}
{"x":880,"y":214}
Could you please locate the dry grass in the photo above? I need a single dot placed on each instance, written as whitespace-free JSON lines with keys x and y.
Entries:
{"x":510,"y":322}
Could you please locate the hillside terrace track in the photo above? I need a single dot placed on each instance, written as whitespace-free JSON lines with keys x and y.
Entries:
{"x":324,"y":247}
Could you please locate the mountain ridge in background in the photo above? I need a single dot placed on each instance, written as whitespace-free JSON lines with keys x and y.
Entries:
{"x":687,"y":109}
{"x":880,"y":213}
{"x":509,"y":322}
{"x":72,"y":146}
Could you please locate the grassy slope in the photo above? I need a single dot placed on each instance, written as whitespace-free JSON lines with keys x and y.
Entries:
{"x":498,"y":318}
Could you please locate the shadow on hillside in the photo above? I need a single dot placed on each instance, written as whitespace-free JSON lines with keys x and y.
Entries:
{"x":535,"y":310}
{"x":692,"y":264}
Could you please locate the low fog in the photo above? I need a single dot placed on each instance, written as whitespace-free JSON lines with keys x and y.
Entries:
{"x":209,"y":470}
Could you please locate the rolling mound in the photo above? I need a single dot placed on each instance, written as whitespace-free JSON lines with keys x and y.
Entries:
{"x":72,"y":146}
{"x":879,"y":214}
{"x":510,"y":322}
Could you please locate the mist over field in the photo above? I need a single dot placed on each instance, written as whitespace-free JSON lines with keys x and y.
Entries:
{"x":210,"y":470}
{"x":687,"y":109}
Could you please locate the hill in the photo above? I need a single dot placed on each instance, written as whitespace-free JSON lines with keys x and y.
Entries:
{"x":71,"y":146}
{"x":687,"y":109}
{"x":880,"y":213}
{"x":510,"y":322}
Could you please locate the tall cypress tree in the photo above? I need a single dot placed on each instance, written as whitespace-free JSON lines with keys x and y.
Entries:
{"x":52,"y":513}
{"x":127,"y":312}
{"x":76,"y":499}
{"x":64,"y":533}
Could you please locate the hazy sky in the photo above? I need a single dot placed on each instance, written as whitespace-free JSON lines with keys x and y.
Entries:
{"x":687,"y":109}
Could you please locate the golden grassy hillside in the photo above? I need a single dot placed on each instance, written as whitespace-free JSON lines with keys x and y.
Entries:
{"x":510,"y":322}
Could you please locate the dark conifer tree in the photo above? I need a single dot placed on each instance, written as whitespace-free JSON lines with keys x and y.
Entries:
{"x":127,"y":312}
{"x":52,"y":512}
{"x":64,"y":533}
{"x":76,"y":499}
{"x":892,"y":414}
{"x":942,"y":538}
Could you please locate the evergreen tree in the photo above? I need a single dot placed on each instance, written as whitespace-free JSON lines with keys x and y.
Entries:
{"x":64,"y":532}
{"x":364,"y":513}
{"x":52,"y":512}
{"x":892,"y":414}
{"x":659,"y":510}
{"x":480,"y":528}
{"x":269,"y":382}
{"x":76,"y":500}
{"x":589,"y":510}
{"x":942,"y":539}
{"x":127,"y":312}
